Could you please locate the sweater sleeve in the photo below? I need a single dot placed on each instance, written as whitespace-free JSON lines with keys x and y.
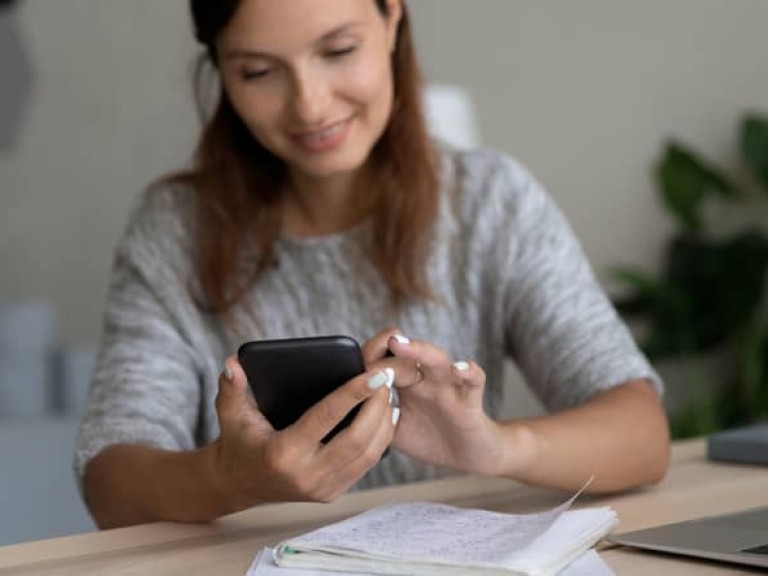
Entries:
{"x":561,"y":328}
{"x":145,"y":388}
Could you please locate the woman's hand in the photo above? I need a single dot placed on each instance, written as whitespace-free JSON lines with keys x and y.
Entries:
{"x":259,"y":464}
{"x":441,"y":401}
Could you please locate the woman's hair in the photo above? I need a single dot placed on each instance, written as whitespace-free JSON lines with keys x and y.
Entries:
{"x":238,"y":183}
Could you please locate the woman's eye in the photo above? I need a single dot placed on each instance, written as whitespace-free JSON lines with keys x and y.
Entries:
{"x":253,"y":74}
{"x":337,"y":53}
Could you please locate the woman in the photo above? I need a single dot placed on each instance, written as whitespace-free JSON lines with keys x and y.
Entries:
{"x":318,"y":205}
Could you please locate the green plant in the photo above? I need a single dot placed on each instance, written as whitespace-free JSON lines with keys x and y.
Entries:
{"x":711,"y":292}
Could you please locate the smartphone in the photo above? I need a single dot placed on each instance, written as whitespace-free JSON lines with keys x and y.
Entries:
{"x":288,"y":376}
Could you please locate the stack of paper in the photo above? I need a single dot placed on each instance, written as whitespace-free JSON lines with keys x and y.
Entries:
{"x":429,"y":539}
{"x":588,"y":564}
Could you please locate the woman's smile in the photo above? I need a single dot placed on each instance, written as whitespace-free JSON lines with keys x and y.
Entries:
{"x":326,"y":139}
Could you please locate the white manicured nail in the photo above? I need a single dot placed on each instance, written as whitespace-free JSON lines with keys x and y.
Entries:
{"x":461,"y":366}
{"x":228,"y":374}
{"x":390,"y":377}
{"x":378,"y":380}
{"x":395,"y":416}
{"x":401,"y":339}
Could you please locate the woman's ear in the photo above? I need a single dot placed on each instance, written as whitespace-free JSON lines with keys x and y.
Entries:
{"x":395,"y":14}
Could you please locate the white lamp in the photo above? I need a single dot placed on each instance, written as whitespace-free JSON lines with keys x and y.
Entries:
{"x":451,"y":115}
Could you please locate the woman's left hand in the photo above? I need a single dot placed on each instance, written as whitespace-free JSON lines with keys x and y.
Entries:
{"x":442,"y":420}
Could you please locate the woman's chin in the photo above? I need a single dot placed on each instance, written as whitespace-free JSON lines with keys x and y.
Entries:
{"x":329,"y":166}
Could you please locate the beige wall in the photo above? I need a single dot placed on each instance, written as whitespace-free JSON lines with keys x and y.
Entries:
{"x":583,"y":92}
{"x":110,"y":110}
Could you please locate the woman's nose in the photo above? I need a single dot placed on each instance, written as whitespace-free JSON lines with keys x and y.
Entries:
{"x":311,"y":95}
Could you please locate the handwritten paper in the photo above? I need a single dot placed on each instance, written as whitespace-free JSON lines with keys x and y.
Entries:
{"x":430,"y":539}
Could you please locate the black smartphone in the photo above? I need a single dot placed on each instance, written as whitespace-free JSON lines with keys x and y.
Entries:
{"x":287,"y":376}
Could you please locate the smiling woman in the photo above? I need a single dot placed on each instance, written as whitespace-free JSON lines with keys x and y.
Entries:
{"x":321,"y":107}
{"x":313,"y":86}
{"x":317,"y":204}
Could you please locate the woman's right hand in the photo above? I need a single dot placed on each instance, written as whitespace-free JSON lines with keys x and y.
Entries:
{"x":257,"y":463}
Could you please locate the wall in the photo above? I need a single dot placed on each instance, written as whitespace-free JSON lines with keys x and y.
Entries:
{"x":94,"y":103}
{"x":109,"y":109}
{"x":585,"y":92}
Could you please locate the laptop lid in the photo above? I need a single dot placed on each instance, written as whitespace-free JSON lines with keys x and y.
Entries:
{"x":741,"y":538}
{"x":748,"y":444}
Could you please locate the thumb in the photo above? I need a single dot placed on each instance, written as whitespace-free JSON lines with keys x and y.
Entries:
{"x":233,"y":403}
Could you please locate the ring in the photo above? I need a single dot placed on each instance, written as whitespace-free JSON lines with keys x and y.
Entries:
{"x":419,"y":374}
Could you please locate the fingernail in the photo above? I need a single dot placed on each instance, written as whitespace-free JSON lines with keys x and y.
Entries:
{"x":401,"y":339}
{"x":394,"y":397}
{"x":395,"y":416}
{"x":390,"y":377}
{"x":378,"y":380}
{"x":228,"y":374}
{"x":461,"y":366}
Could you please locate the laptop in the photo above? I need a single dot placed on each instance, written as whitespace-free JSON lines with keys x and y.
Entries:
{"x":741,"y":537}
{"x":748,"y":445}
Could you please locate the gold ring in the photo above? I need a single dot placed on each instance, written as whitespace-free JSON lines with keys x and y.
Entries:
{"x":419,"y":373}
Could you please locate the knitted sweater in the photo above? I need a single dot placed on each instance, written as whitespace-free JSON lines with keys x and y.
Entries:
{"x":511,"y":282}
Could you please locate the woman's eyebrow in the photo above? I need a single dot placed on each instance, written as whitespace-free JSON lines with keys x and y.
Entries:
{"x":234,"y":53}
{"x":339,"y":30}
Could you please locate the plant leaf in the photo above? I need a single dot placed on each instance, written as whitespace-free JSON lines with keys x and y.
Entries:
{"x":642,"y":283}
{"x":723,"y":281}
{"x":699,"y":418}
{"x":754,"y":376}
{"x":762,"y":369}
{"x":745,"y":263}
{"x":667,"y":311}
{"x":685,"y":180}
{"x":754,"y":146}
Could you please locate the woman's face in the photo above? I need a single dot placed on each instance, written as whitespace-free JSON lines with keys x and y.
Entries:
{"x":312,"y":79}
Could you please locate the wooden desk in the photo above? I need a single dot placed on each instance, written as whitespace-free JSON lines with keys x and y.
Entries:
{"x":693,"y":487}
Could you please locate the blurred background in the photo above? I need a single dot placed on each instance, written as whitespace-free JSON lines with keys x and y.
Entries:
{"x":645,"y":120}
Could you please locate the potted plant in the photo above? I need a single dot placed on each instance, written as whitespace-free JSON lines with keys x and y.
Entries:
{"x":710,"y":294}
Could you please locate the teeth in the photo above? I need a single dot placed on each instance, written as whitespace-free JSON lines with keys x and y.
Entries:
{"x":325,"y":134}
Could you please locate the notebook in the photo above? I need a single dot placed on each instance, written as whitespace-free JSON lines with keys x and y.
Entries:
{"x":588,"y":564}
{"x":431,"y":539}
{"x":741,"y":538}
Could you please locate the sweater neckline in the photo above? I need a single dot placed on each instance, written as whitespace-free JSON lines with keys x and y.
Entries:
{"x":329,"y":240}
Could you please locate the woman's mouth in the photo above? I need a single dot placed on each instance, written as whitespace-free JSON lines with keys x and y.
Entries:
{"x":324,"y":139}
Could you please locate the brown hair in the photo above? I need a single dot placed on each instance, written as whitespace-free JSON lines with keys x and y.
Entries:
{"x":238,"y":183}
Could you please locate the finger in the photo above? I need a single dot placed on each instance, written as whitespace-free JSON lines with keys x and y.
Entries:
{"x":469,"y":373}
{"x":470,"y":378}
{"x":414,"y":374}
{"x":233,"y":404}
{"x":344,"y":474}
{"x":323,"y":417}
{"x":355,"y":449}
{"x":376,"y":348}
{"x":357,"y":439}
{"x":418,"y":360}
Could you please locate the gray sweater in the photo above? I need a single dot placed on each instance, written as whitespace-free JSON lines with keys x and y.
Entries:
{"x":512,"y":281}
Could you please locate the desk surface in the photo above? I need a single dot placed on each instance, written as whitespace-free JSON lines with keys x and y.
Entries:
{"x":694,"y":487}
